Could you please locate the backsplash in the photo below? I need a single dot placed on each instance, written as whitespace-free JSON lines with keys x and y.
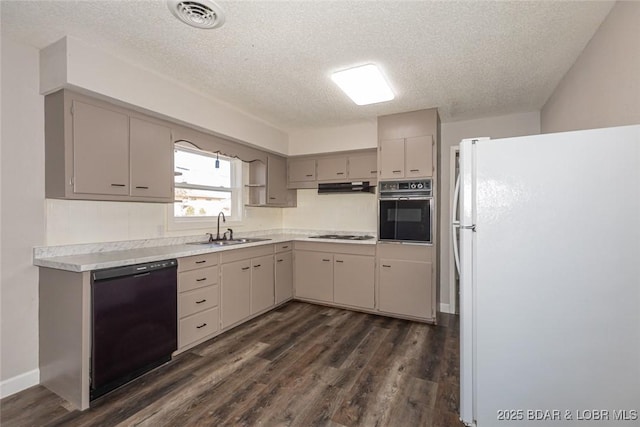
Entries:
{"x":352,"y":212}
{"x":73,"y":222}
{"x":70,"y":222}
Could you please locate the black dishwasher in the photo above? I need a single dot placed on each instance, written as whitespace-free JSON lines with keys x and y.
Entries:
{"x":134,"y":322}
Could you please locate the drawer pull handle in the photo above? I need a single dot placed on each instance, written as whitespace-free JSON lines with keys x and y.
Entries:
{"x":339,"y":260}
{"x":142,"y":187}
{"x":373,"y":171}
{"x":339,"y":173}
{"x":257,"y":265}
{"x":117,"y":185}
{"x":285,"y":247}
{"x":280,"y":260}
{"x":325,"y":260}
{"x":396,"y":171}
{"x":414,"y":170}
{"x":310,"y":175}
{"x":201,"y":280}
{"x":201,"y":301}
{"x":272,"y":198}
{"x":201,"y":326}
{"x":386,"y":266}
{"x":245,"y":268}
{"x":201,"y":262}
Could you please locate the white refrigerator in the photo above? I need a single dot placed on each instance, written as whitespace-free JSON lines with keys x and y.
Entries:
{"x":549,"y":260}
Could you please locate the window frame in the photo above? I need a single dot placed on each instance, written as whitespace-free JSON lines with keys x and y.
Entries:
{"x":207,"y":222}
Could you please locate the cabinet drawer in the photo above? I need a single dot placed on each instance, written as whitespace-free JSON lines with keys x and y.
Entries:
{"x":198,"y":326}
{"x":197,"y":261}
{"x":197,"y":300}
{"x":194,"y":279}
{"x":283,"y":247}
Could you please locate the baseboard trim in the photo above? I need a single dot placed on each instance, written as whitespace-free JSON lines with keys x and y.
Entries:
{"x":19,"y":382}
{"x":445,"y":308}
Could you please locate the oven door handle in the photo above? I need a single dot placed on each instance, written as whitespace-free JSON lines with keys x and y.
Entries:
{"x":391,"y":199}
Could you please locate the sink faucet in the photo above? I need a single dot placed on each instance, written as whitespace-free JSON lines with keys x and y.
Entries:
{"x":223,"y":220}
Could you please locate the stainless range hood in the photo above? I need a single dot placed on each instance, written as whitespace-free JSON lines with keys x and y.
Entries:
{"x":346,"y":187}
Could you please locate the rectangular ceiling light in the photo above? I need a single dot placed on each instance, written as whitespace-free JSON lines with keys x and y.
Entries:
{"x":364,"y":85}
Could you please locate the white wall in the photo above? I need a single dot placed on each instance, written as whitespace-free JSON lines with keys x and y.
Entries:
{"x":602,"y":88}
{"x":332,"y":212}
{"x":87,"y":67}
{"x":22,"y":215}
{"x":82,"y":221}
{"x":451,"y":134}
{"x":355,"y":136}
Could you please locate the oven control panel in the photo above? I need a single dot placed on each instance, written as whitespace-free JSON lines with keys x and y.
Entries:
{"x":416,"y":187}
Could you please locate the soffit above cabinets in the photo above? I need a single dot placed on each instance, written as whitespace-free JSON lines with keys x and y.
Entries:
{"x":273,"y":59}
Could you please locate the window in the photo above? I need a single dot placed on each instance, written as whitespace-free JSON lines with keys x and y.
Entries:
{"x":205,"y":185}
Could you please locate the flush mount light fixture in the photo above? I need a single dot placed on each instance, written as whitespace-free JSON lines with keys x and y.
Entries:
{"x":198,"y":13}
{"x":364,"y":85}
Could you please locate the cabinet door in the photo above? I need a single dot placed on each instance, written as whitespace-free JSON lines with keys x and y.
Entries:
{"x":235,"y":292}
{"x":332,"y":169}
{"x":419,"y":156}
{"x":100,"y":150}
{"x":284,"y":276}
{"x":302,"y":170}
{"x":363,"y":166}
{"x":151,"y":151}
{"x":276,"y":180}
{"x":314,"y":275}
{"x":405,"y":288}
{"x":391,"y":162}
{"x":353,"y":280}
{"x":262,"y":283}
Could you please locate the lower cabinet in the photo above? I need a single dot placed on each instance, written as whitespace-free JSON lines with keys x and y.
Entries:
{"x":342,"y":274}
{"x":284,"y":276}
{"x":314,"y":275}
{"x":198,"y":299}
{"x":247,"y":283}
{"x":406,"y":281}
{"x":262,"y":283}
{"x":353,"y":280}
{"x":236,"y":291}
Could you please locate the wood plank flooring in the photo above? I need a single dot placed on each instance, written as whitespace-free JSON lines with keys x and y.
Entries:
{"x":298,"y":365}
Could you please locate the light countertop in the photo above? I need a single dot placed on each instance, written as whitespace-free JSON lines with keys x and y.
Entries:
{"x":98,"y":257}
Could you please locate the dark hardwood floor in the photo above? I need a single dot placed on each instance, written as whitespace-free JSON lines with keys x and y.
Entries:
{"x":299,"y":365}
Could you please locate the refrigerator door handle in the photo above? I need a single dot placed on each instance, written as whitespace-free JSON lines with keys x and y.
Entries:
{"x":455,"y":223}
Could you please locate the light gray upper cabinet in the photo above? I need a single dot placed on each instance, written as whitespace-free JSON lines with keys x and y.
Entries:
{"x":100,"y":150}
{"x":407,"y":144}
{"x":363,"y":166}
{"x":95,"y":150}
{"x":151,"y":156}
{"x":391,"y":158}
{"x":277,"y":192}
{"x":406,"y":157}
{"x":302,"y":173}
{"x":332,"y":169}
{"x":268,"y":183}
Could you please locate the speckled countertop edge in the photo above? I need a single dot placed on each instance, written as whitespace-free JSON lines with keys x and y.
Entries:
{"x":87,"y":257}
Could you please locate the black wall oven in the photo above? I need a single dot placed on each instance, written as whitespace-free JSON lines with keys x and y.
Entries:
{"x":405,"y":212}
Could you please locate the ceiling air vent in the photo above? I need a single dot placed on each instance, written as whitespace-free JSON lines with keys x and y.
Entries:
{"x":199,"y":13}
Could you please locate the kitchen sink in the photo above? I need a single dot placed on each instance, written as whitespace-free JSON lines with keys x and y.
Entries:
{"x":228,"y":242}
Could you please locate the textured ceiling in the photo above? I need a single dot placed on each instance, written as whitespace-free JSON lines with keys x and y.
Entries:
{"x":273,"y":59}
